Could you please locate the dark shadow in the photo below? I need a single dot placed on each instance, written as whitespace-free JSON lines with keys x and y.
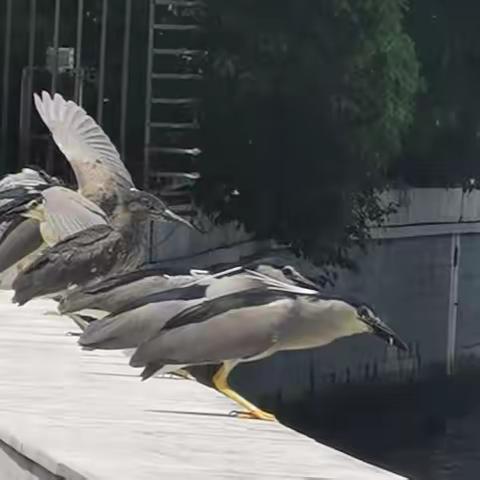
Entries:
{"x":427,"y":429}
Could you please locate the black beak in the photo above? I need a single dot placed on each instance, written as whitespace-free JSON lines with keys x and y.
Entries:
{"x":384,"y":332}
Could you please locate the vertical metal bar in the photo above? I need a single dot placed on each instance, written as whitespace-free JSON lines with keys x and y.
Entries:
{"x":148,"y":95}
{"x":27,"y":89}
{"x":101,"y":74}
{"x":453,"y":304}
{"x":78,"y":53}
{"x":56,"y":39}
{"x":6,"y":74}
{"x":125,"y":73}
{"x":54,"y":72}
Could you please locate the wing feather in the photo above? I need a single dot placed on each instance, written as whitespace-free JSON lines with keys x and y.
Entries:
{"x":81,"y":140}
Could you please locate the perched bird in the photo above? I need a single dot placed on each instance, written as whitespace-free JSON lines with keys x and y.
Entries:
{"x":237,"y":326}
{"x":115,"y":293}
{"x":99,"y":172}
{"x":96,"y":251}
{"x":20,"y":236}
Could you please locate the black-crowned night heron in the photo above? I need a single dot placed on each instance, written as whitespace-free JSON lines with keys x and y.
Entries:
{"x":99,"y":172}
{"x":239,"y":326}
{"x":19,"y":235}
{"x":96,"y":251}
{"x":119,"y":292}
{"x":140,"y":291}
{"x":116,"y":292}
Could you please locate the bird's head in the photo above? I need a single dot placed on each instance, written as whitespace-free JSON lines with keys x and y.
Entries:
{"x":374,"y":325}
{"x":145,"y":204}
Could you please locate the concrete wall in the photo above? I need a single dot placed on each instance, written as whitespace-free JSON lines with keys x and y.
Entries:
{"x":14,"y":466}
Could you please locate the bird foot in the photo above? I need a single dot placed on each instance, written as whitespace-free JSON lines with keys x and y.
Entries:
{"x":253,"y":415}
{"x":73,"y":334}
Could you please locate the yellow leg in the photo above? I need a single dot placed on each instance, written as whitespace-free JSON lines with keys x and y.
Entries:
{"x":221,"y":384}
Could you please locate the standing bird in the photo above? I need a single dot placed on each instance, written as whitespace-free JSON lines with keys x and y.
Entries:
{"x":96,"y":251}
{"x":114,"y":293}
{"x":239,"y":326}
{"x":118,"y":292}
{"x":99,"y":172}
{"x":251,"y":325}
{"x":19,"y":236}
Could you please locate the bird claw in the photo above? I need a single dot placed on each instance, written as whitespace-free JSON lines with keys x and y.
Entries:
{"x":253,"y":415}
{"x":73,"y":334}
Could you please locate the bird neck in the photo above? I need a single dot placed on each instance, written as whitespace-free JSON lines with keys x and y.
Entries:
{"x":318,"y":323}
{"x":134,"y":230}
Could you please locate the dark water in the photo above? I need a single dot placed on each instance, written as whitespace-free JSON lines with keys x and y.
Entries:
{"x":426,"y":430}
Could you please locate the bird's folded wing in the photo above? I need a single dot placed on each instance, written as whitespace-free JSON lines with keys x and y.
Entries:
{"x":238,"y":325}
{"x":72,"y":261}
{"x":27,"y":177}
{"x":66,"y":212}
{"x":82,"y":141}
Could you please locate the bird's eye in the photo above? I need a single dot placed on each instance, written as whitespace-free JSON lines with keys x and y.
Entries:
{"x":363,"y":312}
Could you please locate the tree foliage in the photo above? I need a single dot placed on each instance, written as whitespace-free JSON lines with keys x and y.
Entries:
{"x":306,"y":104}
{"x":443,"y":148}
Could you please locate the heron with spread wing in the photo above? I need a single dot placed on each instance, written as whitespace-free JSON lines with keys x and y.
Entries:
{"x":100,"y":176}
{"x":106,"y":210}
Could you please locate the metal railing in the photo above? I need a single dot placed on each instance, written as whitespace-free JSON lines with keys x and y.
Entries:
{"x":65,"y":49}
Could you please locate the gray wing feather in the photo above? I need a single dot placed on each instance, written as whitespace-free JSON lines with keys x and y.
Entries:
{"x":67,"y":212}
{"x":234,"y":334}
{"x":23,"y":239}
{"x":81,"y":140}
{"x":130,"y":329}
{"x":120,"y":296}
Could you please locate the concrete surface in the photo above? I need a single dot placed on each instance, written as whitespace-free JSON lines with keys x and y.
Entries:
{"x":85,"y":415}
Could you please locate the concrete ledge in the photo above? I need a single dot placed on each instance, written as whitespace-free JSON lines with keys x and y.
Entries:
{"x":74,"y":415}
{"x":14,"y":466}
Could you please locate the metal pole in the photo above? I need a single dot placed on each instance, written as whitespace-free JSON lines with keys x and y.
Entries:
{"x":453,"y":304}
{"x":78,"y":53}
{"x":27,"y":91}
{"x":6,"y":74}
{"x":148,"y":95}
{"x":125,"y":73}
{"x":101,"y":74}
{"x":54,"y":72}
{"x":56,"y":39}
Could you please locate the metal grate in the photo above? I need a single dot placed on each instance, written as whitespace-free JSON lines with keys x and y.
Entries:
{"x":175,"y":34}
{"x":63,"y":49}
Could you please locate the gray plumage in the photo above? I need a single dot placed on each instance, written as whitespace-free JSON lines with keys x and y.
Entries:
{"x":255,"y":323}
{"x":101,"y":175}
{"x":124,"y":296}
{"x":94,"y":252}
{"x":132,"y":289}
{"x":114,"y":293}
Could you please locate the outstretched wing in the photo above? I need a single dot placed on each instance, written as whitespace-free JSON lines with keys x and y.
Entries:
{"x":92,"y":155}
